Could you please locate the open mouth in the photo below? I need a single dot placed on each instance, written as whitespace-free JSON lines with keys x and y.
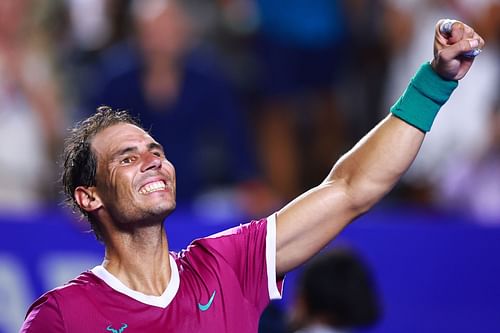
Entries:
{"x":153,"y":187}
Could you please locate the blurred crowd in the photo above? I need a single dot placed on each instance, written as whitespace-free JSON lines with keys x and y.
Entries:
{"x":253,"y":100}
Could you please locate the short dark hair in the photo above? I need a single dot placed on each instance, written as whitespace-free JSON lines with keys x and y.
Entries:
{"x":80,"y":161}
{"x":338,"y":286}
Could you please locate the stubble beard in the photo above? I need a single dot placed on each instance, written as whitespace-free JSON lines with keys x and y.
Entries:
{"x":132,"y":217}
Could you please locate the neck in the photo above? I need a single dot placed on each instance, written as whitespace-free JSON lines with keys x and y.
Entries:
{"x":140,"y":259}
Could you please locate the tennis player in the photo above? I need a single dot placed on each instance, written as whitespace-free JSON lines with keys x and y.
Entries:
{"x":119,"y":177}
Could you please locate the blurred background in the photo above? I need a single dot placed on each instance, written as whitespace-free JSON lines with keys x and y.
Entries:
{"x":254,"y":100}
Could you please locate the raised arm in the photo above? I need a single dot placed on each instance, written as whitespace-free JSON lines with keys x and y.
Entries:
{"x":371,"y":168}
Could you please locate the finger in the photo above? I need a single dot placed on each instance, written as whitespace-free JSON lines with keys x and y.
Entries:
{"x":444,"y":27}
{"x":457,"y":33}
{"x":468,"y":31}
{"x":451,"y":31}
{"x":476,"y":51}
{"x":481,"y":40}
{"x":461,"y":48}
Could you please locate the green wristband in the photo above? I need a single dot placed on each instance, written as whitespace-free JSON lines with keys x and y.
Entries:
{"x":422,"y":99}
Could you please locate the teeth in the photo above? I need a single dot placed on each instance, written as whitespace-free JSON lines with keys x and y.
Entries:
{"x":152,"y":187}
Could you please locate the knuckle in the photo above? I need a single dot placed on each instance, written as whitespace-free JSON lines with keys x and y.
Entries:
{"x":459,"y":26}
{"x":469,"y":31}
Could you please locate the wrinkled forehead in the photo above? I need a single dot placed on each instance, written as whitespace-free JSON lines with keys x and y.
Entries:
{"x":116,"y":137}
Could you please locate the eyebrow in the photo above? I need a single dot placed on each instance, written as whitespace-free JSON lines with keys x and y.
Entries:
{"x":133,"y":149}
{"x":155,"y":145}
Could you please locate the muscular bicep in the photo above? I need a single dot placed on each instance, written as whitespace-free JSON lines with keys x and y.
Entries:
{"x":357,"y":181}
{"x":310,"y":222}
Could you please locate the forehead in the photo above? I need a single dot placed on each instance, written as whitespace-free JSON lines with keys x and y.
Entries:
{"x":116,"y":137}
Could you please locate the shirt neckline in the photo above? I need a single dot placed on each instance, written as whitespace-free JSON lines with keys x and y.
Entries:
{"x":161,"y":301}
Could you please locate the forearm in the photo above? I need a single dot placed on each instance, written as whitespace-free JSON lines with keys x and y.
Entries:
{"x":361,"y":177}
{"x":373,"y":166}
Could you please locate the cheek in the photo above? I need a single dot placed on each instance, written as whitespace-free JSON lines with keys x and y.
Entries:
{"x":102,"y":182}
{"x":124,"y":182}
{"x":119,"y":184}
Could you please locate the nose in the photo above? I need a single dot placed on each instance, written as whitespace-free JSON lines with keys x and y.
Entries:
{"x":151,"y":162}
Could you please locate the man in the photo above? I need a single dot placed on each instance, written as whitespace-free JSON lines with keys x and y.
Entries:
{"x":119,"y":177}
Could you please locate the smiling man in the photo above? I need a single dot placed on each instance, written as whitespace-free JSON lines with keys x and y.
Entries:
{"x":117,"y":175}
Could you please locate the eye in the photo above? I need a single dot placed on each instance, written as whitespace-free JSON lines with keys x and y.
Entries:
{"x":158,"y":153}
{"x":128,"y":160}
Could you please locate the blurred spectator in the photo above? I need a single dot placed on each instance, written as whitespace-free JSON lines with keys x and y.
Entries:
{"x":92,"y":27}
{"x":362,"y":87}
{"x":336,"y":293}
{"x":316,"y":77}
{"x":463,"y":122}
{"x":31,"y":111}
{"x":300,"y":48}
{"x":183,"y":97}
{"x":472,"y":186}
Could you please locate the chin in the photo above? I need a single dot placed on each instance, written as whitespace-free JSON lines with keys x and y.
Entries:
{"x":163,"y":210}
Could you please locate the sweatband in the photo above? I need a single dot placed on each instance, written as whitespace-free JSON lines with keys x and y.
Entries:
{"x":422,"y":99}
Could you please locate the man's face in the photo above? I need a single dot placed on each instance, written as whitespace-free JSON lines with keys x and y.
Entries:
{"x":134,"y":180}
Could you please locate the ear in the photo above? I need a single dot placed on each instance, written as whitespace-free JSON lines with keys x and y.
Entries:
{"x":87,"y":198}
